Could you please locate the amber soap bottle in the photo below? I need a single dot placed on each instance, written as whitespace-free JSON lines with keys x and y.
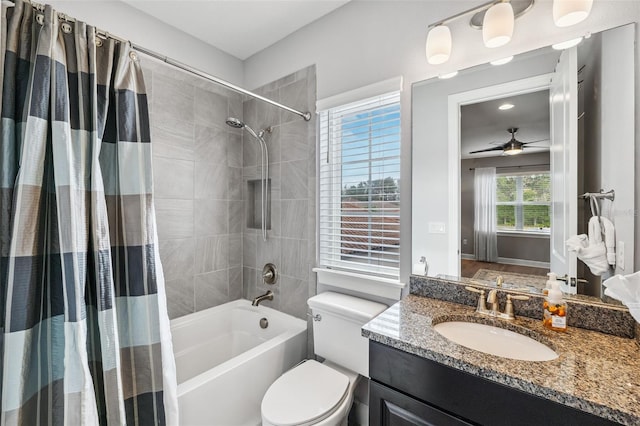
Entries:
{"x":555,"y":309}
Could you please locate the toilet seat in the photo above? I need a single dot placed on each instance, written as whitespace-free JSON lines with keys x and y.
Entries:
{"x":304,"y":395}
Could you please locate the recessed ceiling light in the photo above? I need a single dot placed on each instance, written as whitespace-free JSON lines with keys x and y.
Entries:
{"x":448,"y":75}
{"x":502,"y":61}
{"x":505,"y":106}
{"x":567,"y":44}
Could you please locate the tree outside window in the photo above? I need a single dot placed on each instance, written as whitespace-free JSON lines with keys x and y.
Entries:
{"x":524,"y":202}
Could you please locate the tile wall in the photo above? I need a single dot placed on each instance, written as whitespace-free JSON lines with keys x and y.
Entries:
{"x":197,"y":162}
{"x":292,"y":167}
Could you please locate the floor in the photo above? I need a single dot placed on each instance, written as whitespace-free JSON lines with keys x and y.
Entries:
{"x":470,"y":267}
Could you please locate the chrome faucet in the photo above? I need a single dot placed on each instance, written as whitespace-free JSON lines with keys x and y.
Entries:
{"x":267,"y":296}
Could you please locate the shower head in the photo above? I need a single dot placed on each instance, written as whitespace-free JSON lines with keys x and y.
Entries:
{"x":234,"y":122}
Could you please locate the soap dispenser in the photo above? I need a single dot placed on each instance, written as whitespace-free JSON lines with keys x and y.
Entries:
{"x":552,"y":277}
{"x":555,"y":309}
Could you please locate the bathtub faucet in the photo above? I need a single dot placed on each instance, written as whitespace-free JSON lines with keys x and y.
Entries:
{"x":267,"y":296}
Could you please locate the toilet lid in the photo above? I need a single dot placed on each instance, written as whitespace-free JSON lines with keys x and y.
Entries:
{"x":303,"y":394}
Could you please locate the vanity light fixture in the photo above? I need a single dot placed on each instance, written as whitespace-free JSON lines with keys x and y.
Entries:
{"x":570,"y":12}
{"x":448,"y":75}
{"x":505,"y":106}
{"x":502,"y":61}
{"x":497,"y":26}
{"x":438,"y":45}
{"x":495,"y":18}
{"x":567,"y":44}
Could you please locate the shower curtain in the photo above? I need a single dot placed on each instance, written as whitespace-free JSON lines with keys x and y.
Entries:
{"x":485,"y":215}
{"x":85,"y":331}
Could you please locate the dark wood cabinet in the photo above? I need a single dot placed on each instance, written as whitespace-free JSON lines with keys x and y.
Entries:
{"x":388,"y":407}
{"x":409,"y":390}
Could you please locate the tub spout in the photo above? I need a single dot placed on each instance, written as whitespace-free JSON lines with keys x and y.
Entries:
{"x":267,"y":296}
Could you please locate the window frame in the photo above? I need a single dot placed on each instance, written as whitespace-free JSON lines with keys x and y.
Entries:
{"x":328,"y":231}
{"x":519,"y":203}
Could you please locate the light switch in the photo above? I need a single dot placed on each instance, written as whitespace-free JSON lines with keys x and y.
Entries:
{"x":437,"y":228}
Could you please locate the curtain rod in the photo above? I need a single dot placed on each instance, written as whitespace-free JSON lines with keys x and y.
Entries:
{"x":515,"y":167}
{"x":182,"y":66}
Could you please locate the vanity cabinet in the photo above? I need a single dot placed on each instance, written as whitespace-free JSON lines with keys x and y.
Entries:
{"x":409,"y":390}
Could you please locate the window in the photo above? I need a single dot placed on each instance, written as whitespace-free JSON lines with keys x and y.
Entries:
{"x":524,"y":202}
{"x":359,"y":193}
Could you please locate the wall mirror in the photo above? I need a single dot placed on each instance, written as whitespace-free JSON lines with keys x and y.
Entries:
{"x":568,"y":116}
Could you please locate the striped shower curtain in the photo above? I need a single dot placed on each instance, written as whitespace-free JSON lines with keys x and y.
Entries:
{"x":84,"y":325}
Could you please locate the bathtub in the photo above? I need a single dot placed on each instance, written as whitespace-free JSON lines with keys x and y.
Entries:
{"x":225,"y":361}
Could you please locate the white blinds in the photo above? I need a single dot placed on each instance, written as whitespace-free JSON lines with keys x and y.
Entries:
{"x":359,"y":189}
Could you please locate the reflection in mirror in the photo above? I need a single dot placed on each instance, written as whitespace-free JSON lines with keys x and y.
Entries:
{"x":505,"y":189}
{"x":530,"y":237}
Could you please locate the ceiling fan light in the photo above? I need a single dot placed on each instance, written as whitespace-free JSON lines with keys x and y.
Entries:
{"x":570,"y":12}
{"x":497,"y":27}
{"x":512,"y":150}
{"x":438,"y":45}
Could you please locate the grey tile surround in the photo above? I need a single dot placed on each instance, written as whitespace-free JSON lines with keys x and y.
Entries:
{"x":201,"y":168}
{"x":197,"y":163}
{"x":292,"y":168}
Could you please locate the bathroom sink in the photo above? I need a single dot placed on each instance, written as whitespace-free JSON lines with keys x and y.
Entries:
{"x":495,"y":341}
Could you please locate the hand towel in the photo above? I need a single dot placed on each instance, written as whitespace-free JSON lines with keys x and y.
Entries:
{"x":609,"y":239}
{"x":591,"y":249}
{"x":627,"y":290}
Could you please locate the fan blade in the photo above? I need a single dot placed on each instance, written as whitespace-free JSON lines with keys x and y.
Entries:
{"x":541,"y":140}
{"x":497,"y":148}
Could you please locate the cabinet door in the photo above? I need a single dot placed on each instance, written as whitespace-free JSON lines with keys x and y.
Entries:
{"x":388,"y":407}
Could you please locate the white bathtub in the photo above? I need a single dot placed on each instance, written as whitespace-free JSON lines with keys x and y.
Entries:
{"x":225,"y":361}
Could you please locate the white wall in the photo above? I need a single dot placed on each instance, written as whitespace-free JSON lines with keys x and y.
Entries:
{"x":129,"y":23}
{"x":364,"y":42}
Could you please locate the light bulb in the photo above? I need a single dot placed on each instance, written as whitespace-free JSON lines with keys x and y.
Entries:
{"x":502,"y":61}
{"x":497,"y":27}
{"x":570,"y":12}
{"x":438,"y":45}
{"x":567,"y":44}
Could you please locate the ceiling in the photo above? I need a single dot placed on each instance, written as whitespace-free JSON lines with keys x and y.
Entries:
{"x":483,"y":125}
{"x":238,"y":27}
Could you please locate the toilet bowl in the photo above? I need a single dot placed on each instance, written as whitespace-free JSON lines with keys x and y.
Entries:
{"x":313,"y":393}
{"x":321,"y":394}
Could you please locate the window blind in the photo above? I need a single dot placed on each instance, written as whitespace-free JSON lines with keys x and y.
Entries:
{"x":359,"y":188}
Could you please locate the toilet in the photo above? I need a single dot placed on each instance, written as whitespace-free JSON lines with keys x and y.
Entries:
{"x":321,"y":394}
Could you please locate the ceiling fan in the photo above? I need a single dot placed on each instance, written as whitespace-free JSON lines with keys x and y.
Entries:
{"x":511,"y":147}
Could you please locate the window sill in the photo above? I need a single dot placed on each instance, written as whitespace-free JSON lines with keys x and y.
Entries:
{"x":376,"y":286}
{"x":523,"y":234}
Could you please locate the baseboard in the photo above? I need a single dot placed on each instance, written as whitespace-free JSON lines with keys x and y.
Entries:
{"x":467,"y":256}
{"x":523,"y":262}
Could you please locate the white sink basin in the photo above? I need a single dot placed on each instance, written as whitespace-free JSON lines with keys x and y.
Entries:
{"x":495,"y":341}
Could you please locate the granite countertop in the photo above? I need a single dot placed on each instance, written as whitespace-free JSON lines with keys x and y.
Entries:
{"x":595,"y":372}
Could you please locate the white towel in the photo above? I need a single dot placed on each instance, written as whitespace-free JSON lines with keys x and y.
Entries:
{"x":591,"y":249}
{"x":609,"y":239}
{"x":625,"y":288}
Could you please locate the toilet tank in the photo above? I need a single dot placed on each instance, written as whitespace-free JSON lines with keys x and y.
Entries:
{"x":337,"y":330}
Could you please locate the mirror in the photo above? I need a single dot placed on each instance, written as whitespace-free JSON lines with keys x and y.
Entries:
{"x":452,"y":118}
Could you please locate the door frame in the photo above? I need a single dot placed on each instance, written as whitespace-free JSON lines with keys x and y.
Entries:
{"x":455,"y":102}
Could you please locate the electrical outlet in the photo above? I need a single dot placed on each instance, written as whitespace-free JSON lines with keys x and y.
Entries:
{"x":464,"y":241}
{"x":620,"y":255}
